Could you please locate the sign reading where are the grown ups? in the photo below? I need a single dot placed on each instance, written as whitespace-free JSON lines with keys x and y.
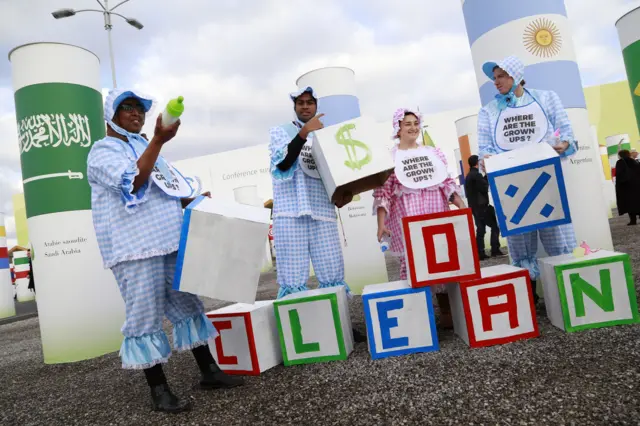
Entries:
{"x":57,"y":124}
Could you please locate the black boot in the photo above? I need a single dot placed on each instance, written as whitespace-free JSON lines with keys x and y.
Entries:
{"x":164,"y":400}
{"x":162,"y":397}
{"x":212,"y":376}
{"x":536,"y":298}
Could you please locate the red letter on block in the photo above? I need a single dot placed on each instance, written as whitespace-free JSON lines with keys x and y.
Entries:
{"x":428,"y":233}
{"x":488,"y":311}
{"x":222,"y":359}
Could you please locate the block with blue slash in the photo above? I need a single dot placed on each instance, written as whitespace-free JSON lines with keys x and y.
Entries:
{"x":528,"y":189}
{"x":400,"y":319}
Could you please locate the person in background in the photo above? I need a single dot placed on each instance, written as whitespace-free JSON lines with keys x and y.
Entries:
{"x":305,"y":226}
{"x":32,"y":283}
{"x":628,"y":186}
{"x":395,"y":201}
{"x":496,"y":119}
{"x":476,"y":187}
{"x":634,"y":155}
{"x":138,"y":220}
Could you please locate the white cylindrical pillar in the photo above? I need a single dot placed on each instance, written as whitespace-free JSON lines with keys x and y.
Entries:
{"x":7,"y":307}
{"x":59,"y":111}
{"x":467,"y":128}
{"x":539,"y":33}
{"x":629,"y":34}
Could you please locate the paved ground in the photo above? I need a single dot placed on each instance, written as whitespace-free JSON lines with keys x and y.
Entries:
{"x":591,"y":377}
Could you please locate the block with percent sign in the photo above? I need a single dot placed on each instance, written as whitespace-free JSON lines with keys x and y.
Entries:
{"x":314,"y":326}
{"x":593,"y":291}
{"x":495,"y":309}
{"x":248,"y":338}
{"x":352,"y":156}
{"x":441,"y":248}
{"x":528,"y":189}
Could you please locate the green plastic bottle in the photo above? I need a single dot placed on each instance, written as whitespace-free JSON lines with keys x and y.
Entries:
{"x":173,"y":111}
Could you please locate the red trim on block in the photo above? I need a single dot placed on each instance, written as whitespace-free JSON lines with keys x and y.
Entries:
{"x":428,"y":235}
{"x":473,"y":342}
{"x":222,"y":358}
{"x":407,"y":243}
{"x":255,"y":371}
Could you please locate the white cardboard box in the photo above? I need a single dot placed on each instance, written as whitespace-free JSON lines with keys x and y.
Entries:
{"x":222,"y":250}
{"x":352,"y":156}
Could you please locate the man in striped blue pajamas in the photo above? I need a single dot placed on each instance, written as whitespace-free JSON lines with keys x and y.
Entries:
{"x":137,"y":220}
{"x":549,"y":113}
{"x":305,"y":224}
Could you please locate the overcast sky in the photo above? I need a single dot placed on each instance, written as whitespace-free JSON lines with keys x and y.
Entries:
{"x":235,"y":61}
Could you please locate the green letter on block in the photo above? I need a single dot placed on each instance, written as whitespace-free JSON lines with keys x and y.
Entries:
{"x":603,"y":299}
{"x":296,"y":330}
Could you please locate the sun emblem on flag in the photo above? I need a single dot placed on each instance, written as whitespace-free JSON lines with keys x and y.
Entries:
{"x":542,"y":38}
{"x":637,"y":91}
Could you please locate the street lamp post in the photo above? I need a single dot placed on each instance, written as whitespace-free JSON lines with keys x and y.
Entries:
{"x":106,"y":12}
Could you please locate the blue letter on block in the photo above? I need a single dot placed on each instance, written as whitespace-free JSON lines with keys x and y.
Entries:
{"x":386,"y":324}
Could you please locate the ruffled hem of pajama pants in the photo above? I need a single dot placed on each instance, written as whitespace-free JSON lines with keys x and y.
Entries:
{"x":145,"y":351}
{"x":285,"y":291}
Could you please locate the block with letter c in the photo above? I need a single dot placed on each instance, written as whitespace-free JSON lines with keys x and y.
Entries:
{"x":441,"y":248}
{"x":247,"y":341}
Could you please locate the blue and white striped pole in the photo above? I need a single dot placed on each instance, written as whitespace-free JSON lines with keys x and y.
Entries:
{"x":539,"y":33}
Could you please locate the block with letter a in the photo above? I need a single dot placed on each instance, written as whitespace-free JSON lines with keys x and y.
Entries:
{"x":593,"y":291}
{"x":248,"y":338}
{"x":399,"y":319}
{"x":441,"y":248}
{"x":314,"y":326}
{"x":494,"y":309}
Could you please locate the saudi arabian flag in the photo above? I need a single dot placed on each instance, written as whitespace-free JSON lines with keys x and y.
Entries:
{"x":629,"y":34}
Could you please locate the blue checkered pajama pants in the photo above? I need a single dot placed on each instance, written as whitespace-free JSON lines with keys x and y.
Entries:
{"x":300,"y":239}
{"x":146,"y":287}
{"x":556,"y":241}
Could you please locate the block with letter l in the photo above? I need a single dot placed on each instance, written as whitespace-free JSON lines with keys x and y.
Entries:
{"x":495,"y":309}
{"x":593,"y":291}
{"x":314,"y":326}
{"x":400,"y":319}
{"x":441,"y":248}
{"x":247,"y":341}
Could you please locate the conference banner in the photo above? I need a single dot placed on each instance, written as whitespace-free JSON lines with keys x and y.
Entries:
{"x":59,"y":116}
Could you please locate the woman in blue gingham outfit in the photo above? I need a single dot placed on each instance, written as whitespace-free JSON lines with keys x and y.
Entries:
{"x":508,"y":76}
{"x":305,"y":226}
{"x":137,"y":225}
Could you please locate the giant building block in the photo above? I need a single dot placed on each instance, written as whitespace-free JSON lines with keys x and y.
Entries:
{"x":593,"y":291}
{"x":495,"y":309}
{"x":441,"y":248}
{"x":528,"y":189}
{"x":314,"y":326}
{"x":400,"y":319}
{"x":248,"y":338}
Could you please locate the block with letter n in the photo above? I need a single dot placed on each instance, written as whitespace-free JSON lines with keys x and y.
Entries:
{"x":400,"y":319}
{"x":495,"y":309}
{"x":593,"y":291}
{"x":528,"y":189}
{"x":441,"y":248}
{"x":314,"y":326}
{"x":247,"y":341}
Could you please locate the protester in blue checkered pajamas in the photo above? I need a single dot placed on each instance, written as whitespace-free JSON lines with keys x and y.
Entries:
{"x":137,"y":224}
{"x":508,"y":76}
{"x":305,"y":224}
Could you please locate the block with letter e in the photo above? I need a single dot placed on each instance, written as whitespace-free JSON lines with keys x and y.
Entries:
{"x":400,"y":319}
{"x":495,"y":309}
{"x":528,"y":189}
{"x":247,"y":342}
{"x":593,"y":291}
{"x":441,"y":248}
{"x":314,"y":326}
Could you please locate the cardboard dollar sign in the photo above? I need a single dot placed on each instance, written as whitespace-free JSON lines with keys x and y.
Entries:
{"x":343,"y":137}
